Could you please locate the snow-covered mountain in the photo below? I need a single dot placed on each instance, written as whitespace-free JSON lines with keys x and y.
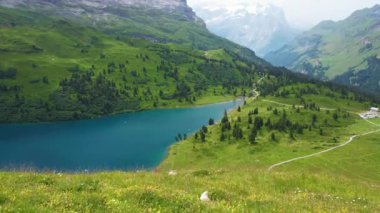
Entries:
{"x":261,"y":27}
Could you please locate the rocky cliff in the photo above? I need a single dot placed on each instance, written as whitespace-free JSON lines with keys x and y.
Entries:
{"x":80,"y":6}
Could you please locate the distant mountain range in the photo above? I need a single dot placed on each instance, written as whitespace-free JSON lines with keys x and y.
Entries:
{"x":260,"y":27}
{"x":347,"y":51}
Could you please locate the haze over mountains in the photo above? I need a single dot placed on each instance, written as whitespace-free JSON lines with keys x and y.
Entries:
{"x":346,"y":51}
{"x":260,"y":26}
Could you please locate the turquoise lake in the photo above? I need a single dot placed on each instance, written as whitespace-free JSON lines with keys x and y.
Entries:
{"x":122,"y":142}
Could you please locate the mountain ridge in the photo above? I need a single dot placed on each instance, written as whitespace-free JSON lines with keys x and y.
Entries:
{"x":331,"y":50}
{"x":261,"y":27}
{"x":179,"y":6}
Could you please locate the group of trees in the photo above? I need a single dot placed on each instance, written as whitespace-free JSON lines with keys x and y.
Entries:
{"x":279,"y":77}
{"x":181,"y":75}
{"x":97,"y":91}
{"x":201,"y":134}
{"x":220,"y":72}
{"x":8,"y":74}
{"x":97,"y":94}
{"x":124,"y":85}
{"x":279,"y":121}
{"x":5,"y":88}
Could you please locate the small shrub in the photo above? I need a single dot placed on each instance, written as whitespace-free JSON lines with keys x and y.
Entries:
{"x":219,"y":195}
{"x":3,"y":199}
{"x":47,"y":181}
{"x":201,"y":173}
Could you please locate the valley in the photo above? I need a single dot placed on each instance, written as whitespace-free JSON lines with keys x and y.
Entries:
{"x":135,"y":106}
{"x":235,"y":170}
{"x":345,"y":52}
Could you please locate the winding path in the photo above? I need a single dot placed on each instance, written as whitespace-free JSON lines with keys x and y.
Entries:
{"x":300,"y":106}
{"x":324,"y":151}
{"x":352,"y":138}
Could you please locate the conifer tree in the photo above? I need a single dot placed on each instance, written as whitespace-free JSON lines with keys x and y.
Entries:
{"x":211,"y":122}
{"x":273,"y":136}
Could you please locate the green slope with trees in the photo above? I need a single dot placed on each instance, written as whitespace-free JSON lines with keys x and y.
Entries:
{"x":346,"y":51}
{"x":55,"y":67}
{"x":58,"y":68}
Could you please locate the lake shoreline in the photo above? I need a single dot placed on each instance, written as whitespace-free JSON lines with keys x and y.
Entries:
{"x":231,"y":110}
{"x":103,"y":140}
{"x":124,"y":112}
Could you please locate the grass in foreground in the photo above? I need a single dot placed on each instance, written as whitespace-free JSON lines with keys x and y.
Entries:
{"x":230,"y":190}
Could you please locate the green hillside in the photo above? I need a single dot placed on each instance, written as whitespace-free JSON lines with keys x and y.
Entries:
{"x":231,"y":161}
{"x":58,"y":68}
{"x":346,"y":51}
{"x":295,"y":145}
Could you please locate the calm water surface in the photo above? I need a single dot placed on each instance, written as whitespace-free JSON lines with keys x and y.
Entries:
{"x":124,"y":142}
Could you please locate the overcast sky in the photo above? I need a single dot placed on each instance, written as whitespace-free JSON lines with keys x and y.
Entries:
{"x":301,"y":13}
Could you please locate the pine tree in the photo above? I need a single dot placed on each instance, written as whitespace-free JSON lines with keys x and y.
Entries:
{"x":252,"y":138}
{"x":253,"y":135}
{"x":179,"y":136}
{"x":268,"y":124}
{"x":273,"y":136}
{"x":335,"y":116}
{"x":299,"y":129}
{"x":258,"y":123}
{"x":284,"y":116}
{"x":314,"y":119}
{"x":225,"y":117}
{"x":237,"y":132}
{"x":203,"y":136}
{"x":204,"y":129}
{"x":256,"y":111}
{"x":211,"y":122}
{"x":222,"y":137}
{"x":250,"y":121}
{"x":291,"y":134}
